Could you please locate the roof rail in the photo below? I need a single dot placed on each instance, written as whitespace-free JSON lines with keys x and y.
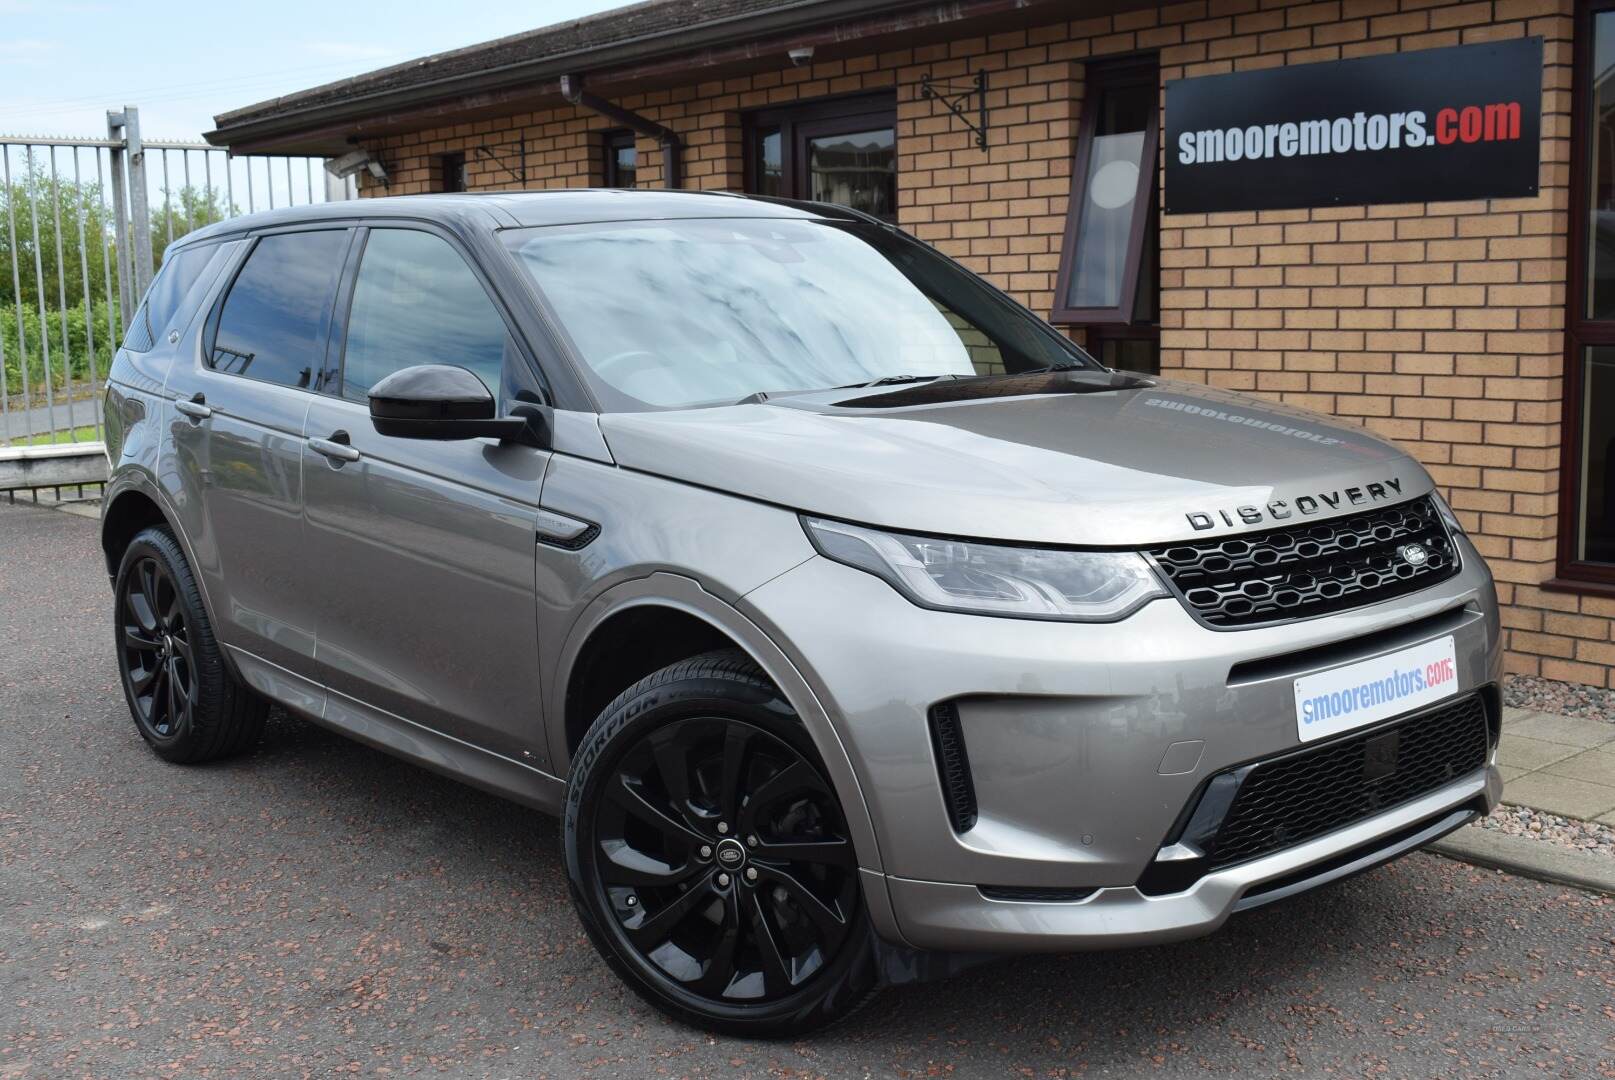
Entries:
{"x":825,"y":209}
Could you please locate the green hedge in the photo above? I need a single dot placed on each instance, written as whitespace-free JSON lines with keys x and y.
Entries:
{"x":103,"y":316}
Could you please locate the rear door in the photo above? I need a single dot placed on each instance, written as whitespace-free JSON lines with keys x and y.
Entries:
{"x":421,"y":553}
{"x":237,"y":434}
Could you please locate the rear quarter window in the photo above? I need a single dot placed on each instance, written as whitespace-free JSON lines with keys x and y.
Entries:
{"x":170,"y":293}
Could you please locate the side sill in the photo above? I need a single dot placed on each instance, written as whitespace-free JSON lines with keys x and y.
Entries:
{"x":451,"y":757}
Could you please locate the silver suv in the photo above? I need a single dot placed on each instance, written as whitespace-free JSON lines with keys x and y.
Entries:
{"x":857,"y":623}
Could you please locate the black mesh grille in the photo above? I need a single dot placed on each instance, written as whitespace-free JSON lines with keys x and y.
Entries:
{"x":1294,"y":798}
{"x":1311,"y":569}
{"x":953,"y":767}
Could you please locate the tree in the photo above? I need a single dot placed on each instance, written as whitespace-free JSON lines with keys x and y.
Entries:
{"x":43,"y":264}
{"x":173,"y":214}
{"x":41,"y":219}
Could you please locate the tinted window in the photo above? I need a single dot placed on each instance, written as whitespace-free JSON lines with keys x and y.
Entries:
{"x":453,"y":168}
{"x":179,"y":274}
{"x":1597,"y":540}
{"x":417,"y":302}
{"x":857,"y":170}
{"x":1111,"y":193}
{"x":273,"y":323}
{"x":622,"y":159}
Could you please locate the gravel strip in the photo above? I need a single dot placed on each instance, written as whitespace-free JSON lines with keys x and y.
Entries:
{"x":1537,"y":825}
{"x":1559,"y":698}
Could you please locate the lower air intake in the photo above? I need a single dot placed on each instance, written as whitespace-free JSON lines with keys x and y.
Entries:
{"x":953,"y":766}
{"x":1291,"y":799}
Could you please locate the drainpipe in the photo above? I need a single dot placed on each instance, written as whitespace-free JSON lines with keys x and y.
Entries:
{"x":672,"y":145}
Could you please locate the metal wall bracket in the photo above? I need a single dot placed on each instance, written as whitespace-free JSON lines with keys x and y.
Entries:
{"x":955,"y":97}
{"x":488,"y":155}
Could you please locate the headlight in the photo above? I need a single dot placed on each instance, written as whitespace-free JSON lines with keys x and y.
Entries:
{"x":992,"y":579}
{"x":1444,"y":512}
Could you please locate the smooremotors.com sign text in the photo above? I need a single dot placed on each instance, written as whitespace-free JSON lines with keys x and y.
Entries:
{"x":1427,"y":126}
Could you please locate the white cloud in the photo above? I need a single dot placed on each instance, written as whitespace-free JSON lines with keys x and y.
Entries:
{"x":29,"y":7}
{"x":347,"y":50}
{"x":26,"y":48}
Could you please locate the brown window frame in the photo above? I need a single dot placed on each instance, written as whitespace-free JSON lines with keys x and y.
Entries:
{"x":1581,"y":332}
{"x":452,"y":174}
{"x":1134,"y":71}
{"x":798,"y":122}
{"x":610,"y":143}
{"x":1099,"y":333}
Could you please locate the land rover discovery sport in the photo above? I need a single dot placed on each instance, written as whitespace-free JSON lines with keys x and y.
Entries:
{"x":848,"y":614}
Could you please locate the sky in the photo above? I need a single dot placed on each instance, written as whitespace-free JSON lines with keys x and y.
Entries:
{"x":64,"y":63}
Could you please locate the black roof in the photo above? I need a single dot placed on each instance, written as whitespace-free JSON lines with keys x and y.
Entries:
{"x":516,"y":209}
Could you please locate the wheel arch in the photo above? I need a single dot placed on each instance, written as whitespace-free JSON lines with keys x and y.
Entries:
{"x":125,"y":515}
{"x":631,"y":642}
{"x":671,"y":600}
{"x":134,"y":501}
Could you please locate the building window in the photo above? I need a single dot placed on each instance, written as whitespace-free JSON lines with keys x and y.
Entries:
{"x":1587,"y":507}
{"x":452,"y":167}
{"x":765,"y":178}
{"x":841,"y":151}
{"x":621,"y":159}
{"x":1108,"y":276}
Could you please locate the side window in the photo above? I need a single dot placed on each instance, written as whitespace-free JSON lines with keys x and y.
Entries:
{"x":179,"y":274}
{"x":417,"y":302}
{"x":273,"y":323}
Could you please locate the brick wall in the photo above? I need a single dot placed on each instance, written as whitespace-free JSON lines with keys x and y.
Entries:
{"x":1438,"y":325}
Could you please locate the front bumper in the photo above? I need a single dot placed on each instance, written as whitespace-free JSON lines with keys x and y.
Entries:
{"x":960,"y":918}
{"x":1086,"y":742}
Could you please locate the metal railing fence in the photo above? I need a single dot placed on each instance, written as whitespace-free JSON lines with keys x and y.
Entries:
{"x":83,"y":225}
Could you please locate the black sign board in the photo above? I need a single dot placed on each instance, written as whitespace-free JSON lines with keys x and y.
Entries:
{"x":1458,"y":123}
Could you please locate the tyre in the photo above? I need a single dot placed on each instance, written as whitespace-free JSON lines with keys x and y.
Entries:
{"x":186,"y":703}
{"x":709,"y":858}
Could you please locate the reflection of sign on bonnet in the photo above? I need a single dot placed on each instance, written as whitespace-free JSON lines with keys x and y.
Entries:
{"x":1458,"y":123}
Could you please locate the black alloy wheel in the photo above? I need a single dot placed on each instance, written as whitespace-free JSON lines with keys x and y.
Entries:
{"x":185,"y":701}
{"x":713,"y":862}
{"x":158,"y":662}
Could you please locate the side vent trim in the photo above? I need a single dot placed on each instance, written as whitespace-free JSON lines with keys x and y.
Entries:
{"x":953,"y":766}
{"x":1018,"y":895}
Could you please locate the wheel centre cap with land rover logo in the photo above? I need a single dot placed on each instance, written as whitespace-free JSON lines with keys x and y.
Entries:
{"x":731,"y":854}
{"x":1413,"y":554}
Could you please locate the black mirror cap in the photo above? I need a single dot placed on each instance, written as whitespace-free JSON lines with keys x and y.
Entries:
{"x":431,"y":392}
{"x":441,"y":401}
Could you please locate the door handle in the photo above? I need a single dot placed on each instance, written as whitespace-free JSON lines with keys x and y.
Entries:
{"x":196,"y":408}
{"x":336,"y":449}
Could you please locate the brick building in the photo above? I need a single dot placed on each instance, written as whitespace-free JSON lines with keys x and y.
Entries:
{"x":1469,"y":331}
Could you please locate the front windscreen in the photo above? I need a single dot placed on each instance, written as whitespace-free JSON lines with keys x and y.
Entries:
{"x":686,"y":312}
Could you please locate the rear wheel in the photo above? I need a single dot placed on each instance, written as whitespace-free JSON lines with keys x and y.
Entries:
{"x":709,"y":858}
{"x":185,"y":702}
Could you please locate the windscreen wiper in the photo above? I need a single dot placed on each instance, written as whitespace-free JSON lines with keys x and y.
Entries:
{"x":890,"y":380}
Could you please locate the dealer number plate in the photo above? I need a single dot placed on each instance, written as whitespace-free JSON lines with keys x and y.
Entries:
{"x":1368,"y":691}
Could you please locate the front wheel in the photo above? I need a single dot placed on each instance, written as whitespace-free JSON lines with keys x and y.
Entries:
{"x":708,"y":856}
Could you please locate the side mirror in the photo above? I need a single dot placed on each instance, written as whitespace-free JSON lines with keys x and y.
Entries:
{"x":441,"y":401}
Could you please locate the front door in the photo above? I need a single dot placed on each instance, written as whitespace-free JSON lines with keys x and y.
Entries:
{"x":422,"y":555}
